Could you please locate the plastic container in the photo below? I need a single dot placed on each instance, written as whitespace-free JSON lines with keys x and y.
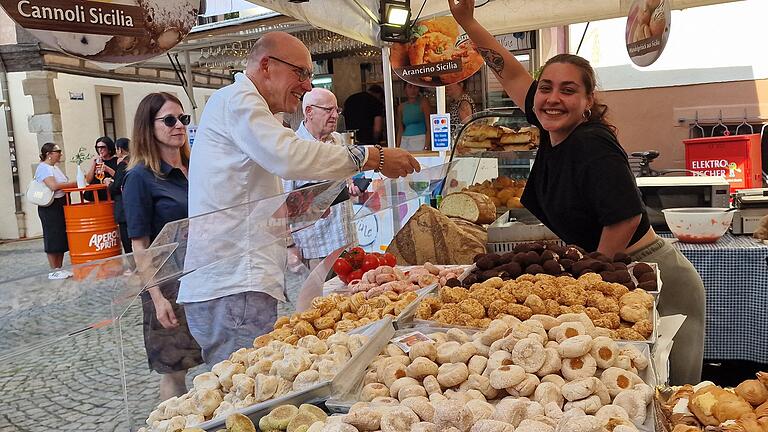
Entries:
{"x":698,"y":224}
{"x":92,"y":232}
{"x":735,"y":157}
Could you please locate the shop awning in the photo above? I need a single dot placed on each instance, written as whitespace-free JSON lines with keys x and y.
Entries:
{"x":348,"y":18}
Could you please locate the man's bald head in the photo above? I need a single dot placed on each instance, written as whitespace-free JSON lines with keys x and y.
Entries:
{"x":318,"y":96}
{"x":279,"y":65}
{"x":277,"y":44}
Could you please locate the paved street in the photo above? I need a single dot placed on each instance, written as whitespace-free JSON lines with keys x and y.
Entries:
{"x":65,"y":381}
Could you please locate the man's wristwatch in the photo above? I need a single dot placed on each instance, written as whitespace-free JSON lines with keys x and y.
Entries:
{"x":381,"y":158}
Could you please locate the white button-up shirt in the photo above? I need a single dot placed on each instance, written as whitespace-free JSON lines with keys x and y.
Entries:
{"x":239,"y":155}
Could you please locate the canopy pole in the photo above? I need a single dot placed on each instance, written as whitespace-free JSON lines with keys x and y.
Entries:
{"x":440,"y":93}
{"x":190,"y":85}
{"x":389,"y":100}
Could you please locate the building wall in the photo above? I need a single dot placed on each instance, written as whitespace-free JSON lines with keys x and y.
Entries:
{"x":81,"y":125}
{"x":650,"y":119}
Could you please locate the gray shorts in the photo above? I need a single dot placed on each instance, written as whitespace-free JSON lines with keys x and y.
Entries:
{"x":224,"y":325}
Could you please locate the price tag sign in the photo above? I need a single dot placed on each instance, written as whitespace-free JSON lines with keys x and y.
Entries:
{"x":440,"y":130}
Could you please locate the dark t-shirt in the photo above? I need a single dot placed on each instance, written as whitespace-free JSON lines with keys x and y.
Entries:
{"x":359,"y":111}
{"x":582,"y":184}
{"x":150,"y":202}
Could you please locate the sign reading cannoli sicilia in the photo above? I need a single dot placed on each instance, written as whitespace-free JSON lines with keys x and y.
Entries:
{"x":112,"y":31}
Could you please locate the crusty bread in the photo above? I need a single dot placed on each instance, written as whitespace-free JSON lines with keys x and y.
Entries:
{"x":479,"y":132}
{"x":431,"y":236}
{"x":470,"y":206}
{"x":477,"y":231}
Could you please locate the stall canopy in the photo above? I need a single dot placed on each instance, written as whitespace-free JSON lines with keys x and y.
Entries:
{"x":350,"y":18}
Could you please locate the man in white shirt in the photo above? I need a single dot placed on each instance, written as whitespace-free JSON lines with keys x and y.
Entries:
{"x":240,"y":153}
{"x":321,"y":113}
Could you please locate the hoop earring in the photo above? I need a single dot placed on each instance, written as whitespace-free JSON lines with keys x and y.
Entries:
{"x":587,"y":114}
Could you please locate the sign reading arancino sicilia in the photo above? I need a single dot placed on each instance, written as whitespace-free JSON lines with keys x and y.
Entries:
{"x":114,"y":31}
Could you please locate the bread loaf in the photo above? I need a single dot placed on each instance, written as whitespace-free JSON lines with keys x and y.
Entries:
{"x":477,"y":231}
{"x":470,"y":206}
{"x":430,"y":236}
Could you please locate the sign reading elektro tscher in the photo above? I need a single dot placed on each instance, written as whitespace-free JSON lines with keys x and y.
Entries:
{"x":113,"y":31}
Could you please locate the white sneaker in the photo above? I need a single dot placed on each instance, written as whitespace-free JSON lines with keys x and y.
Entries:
{"x":59,"y":274}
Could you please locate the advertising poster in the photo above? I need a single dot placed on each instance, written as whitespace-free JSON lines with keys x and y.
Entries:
{"x":109,"y":31}
{"x":438,"y":53}
{"x":647,"y":31}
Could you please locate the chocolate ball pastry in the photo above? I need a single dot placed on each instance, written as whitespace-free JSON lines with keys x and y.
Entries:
{"x":566,"y":263}
{"x":621,"y":257}
{"x":649,"y":285}
{"x":470,"y":280}
{"x":641,"y":268}
{"x":453,"y":282}
{"x":487,"y":274}
{"x":521,"y":247}
{"x":513,"y":269}
{"x":621,"y":276}
{"x":580,"y":266}
{"x":549,"y":255}
{"x":630,"y":285}
{"x":487,"y":262}
{"x":507,"y":258}
{"x":559,"y":250}
{"x":534,"y":269}
{"x":531,"y":257}
{"x":619,"y":266}
{"x":537,"y":247}
{"x":607,"y":276}
{"x":646,"y":277}
{"x":478,"y":256}
{"x":552,"y":267}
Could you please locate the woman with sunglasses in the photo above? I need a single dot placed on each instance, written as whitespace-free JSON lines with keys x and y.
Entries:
{"x":154,"y":194}
{"x":52,"y":217}
{"x":103,"y":165}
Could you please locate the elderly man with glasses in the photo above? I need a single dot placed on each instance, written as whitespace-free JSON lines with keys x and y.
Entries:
{"x":321,"y":113}
{"x":241,"y":151}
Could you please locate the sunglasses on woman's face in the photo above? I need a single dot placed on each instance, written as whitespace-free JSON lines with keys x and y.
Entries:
{"x":170,"y":120}
{"x":98,"y":147}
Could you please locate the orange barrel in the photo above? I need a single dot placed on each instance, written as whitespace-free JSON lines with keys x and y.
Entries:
{"x":91,"y":228}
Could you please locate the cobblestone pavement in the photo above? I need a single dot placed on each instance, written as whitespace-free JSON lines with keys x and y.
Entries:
{"x":94,"y":380}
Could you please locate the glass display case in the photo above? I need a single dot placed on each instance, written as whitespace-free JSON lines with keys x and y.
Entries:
{"x":74,"y":350}
{"x":505,"y":145}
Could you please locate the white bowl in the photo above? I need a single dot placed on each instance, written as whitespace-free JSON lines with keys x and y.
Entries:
{"x":698,"y":224}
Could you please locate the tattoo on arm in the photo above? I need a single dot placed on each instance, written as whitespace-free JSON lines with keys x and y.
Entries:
{"x":492,"y":59}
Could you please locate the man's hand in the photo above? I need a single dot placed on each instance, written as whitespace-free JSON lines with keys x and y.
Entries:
{"x":399,"y":163}
{"x":164,"y":312}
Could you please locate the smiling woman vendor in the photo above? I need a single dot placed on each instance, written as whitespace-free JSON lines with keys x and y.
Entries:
{"x":581,"y":186}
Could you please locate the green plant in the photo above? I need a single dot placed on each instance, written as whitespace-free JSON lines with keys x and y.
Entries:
{"x":80,"y":157}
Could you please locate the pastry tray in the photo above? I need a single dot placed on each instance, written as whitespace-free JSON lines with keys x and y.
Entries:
{"x":341,"y":403}
{"x":379,"y":332}
{"x":335,"y":285}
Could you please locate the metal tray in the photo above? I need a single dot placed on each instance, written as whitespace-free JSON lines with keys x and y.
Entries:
{"x":379,"y":332}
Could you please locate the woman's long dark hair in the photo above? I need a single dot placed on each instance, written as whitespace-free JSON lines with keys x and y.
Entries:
{"x":144,"y":146}
{"x":599,"y":111}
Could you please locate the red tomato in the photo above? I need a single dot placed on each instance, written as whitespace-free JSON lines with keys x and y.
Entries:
{"x":344,"y":278}
{"x":369,"y":263}
{"x":390,"y":259}
{"x":355,"y":275}
{"x":355,"y":256}
{"x":342,"y":267}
